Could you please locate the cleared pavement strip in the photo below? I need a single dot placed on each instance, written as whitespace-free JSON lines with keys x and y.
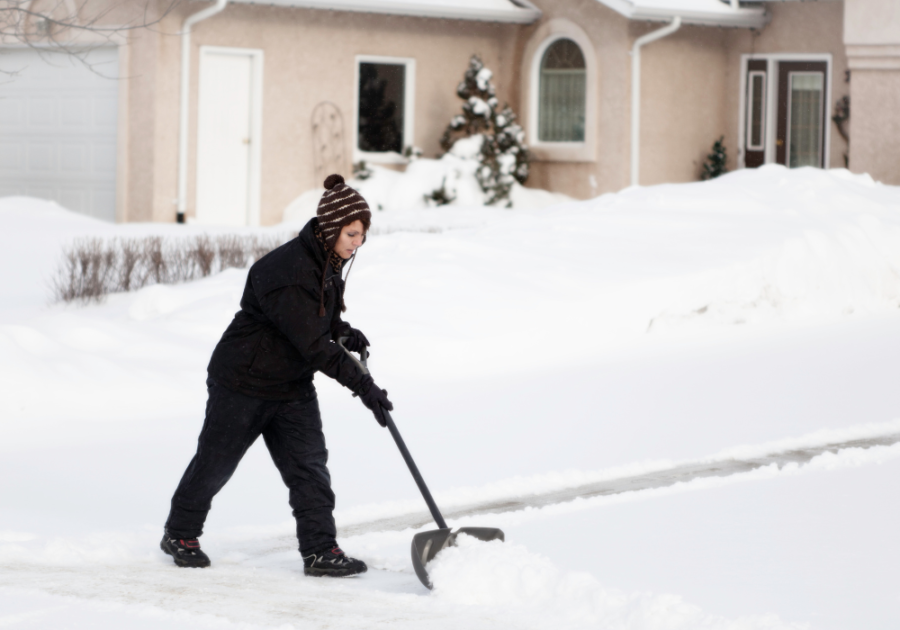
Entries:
{"x":656,"y":479}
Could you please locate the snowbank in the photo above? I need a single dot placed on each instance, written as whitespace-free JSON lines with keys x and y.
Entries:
{"x":524,"y":586}
{"x":392,"y":191}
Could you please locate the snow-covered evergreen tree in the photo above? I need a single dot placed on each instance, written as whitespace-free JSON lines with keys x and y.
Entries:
{"x":503,"y":153}
{"x":715,"y":161}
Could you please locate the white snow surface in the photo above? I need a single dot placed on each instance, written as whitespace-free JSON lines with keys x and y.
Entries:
{"x":391,"y":190}
{"x":526,"y":350}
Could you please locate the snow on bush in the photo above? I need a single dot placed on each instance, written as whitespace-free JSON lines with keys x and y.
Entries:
{"x":500,"y":149}
{"x":454,"y":174}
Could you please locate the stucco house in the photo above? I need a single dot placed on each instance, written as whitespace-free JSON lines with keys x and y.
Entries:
{"x":226,"y":111}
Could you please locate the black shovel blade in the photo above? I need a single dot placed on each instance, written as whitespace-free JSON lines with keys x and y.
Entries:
{"x":425,"y":546}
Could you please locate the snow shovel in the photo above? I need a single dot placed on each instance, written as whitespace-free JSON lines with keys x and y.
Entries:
{"x":425,"y":545}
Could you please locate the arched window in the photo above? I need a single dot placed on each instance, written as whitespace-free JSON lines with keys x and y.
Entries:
{"x":561,"y":106}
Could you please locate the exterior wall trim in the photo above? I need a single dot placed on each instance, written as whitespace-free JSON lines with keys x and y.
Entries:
{"x":873,"y":57}
{"x":409,"y":110}
{"x":771,"y":110}
{"x":123,"y":124}
{"x":548,"y":33}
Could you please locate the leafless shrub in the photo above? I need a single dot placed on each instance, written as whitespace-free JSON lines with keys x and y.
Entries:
{"x":203,"y":254}
{"x":65,"y":284}
{"x":91,"y":268}
{"x":130,"y":252}
{"x":262,"y":245}
{"x":232,"y":251}
{"x":154,"y":261}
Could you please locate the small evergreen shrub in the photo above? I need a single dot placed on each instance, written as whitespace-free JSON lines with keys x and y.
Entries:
{"x":715,"y":161}
{"x":504,"y":155}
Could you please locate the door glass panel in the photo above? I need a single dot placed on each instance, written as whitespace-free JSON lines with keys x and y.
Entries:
{"x":757,"y":108}
{"x":805,"y":136}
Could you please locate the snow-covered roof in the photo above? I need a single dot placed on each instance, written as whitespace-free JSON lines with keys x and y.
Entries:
{"x":706,"y":12}
{"x":511,"y":11}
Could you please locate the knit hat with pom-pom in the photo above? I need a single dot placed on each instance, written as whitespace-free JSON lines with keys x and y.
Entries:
{"x":340,"y":206}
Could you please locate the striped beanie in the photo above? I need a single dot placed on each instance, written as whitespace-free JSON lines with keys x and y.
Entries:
{"x":340,"y":206}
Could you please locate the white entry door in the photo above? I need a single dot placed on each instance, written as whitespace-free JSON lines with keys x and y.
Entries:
{"x":228,"y":128}
{"x":58,"y":123}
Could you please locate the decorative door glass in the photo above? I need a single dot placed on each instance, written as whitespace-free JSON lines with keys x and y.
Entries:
{"x":805,"y":124}
{"x":756,"y":119}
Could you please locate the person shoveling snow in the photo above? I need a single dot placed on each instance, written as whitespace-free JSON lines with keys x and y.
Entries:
{"x":260,"y":382}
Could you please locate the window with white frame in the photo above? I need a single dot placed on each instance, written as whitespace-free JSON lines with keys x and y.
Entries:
{"x":384,"y":107}
{"x":562,"y":93}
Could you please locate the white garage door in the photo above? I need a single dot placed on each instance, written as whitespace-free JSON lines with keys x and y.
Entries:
{"x":58,"y":128}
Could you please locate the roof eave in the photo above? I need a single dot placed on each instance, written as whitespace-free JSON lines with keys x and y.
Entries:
{"x":527,"y":14}
{"x":740,"y":18}
{"x":745,"y":18}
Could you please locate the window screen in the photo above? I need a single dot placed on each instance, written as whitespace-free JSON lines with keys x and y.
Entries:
{"x":561,"y":106}
{"x":382,"y":90}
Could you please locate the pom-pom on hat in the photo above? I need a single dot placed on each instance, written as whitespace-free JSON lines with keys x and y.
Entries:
{"x":340,"y":206}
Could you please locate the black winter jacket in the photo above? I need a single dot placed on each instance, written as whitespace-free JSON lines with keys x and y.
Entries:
{"x":277,"y":341}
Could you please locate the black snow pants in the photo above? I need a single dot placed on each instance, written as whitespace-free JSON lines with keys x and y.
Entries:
{"x":292,"y":431}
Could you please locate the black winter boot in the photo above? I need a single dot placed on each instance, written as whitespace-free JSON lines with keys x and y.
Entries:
{"x":185,"y":551}
{"x":332,"y":563}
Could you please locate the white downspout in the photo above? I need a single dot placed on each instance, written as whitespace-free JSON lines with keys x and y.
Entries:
{"x":636,"y":93}
{"x":185,"y":100}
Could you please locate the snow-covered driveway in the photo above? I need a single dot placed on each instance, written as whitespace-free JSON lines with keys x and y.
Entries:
{"x":604,"y":348}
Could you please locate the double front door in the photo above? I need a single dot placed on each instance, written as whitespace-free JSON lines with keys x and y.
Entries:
{"x":786,"y":112}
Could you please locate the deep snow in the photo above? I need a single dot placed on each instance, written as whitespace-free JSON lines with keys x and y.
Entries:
{"x":524,"y":349}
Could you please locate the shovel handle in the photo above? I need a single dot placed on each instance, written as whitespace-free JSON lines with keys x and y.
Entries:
{"x":401,"y":445}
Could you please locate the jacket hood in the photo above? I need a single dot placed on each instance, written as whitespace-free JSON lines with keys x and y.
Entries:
{"x":310,"y":243}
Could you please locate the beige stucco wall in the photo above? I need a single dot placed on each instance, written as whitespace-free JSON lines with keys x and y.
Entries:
{"x":872,"y":22}
{"x":309,"y":57}
{"x":682,"y":102}
{"x":795,"y":28}
{"x":872,"y":36}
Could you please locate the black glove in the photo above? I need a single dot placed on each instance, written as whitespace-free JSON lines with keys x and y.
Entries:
{"x":355,"y":341}
{"x":375,"y":399}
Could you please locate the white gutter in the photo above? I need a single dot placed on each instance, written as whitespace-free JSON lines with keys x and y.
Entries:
{"x":186,"y":98}
{"x":636,"y":93}
{"x":699,"y":12}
